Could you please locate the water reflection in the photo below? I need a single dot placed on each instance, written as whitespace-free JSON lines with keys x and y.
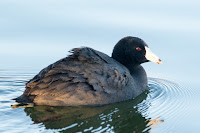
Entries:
{"x":119,"y":117}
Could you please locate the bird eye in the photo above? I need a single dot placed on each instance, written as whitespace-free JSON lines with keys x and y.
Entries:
{"x":138,"y":49}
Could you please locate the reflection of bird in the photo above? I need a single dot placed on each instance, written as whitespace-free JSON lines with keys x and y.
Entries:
{"x":153,"y":123}
{"x":121,"y":117}
{"x":89,"y":77}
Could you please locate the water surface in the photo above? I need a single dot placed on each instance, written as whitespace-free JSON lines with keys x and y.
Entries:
{"x":159,"y":109}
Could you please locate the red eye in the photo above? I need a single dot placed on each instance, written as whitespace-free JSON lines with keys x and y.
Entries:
{"x":138,"y":49}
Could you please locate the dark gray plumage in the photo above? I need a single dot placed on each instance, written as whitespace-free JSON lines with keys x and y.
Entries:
{"x":89,"y":77}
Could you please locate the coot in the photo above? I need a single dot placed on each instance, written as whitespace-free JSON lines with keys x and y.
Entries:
{"x":92,"y":78}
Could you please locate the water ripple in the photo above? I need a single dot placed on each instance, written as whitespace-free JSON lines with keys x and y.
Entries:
{"x":167,"y":101}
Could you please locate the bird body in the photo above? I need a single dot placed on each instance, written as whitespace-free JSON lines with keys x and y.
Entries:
{"x":86,"y":77}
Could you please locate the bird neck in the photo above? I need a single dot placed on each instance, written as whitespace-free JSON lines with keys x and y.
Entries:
{"x":138,"y":73}
{"x":135,"y":68}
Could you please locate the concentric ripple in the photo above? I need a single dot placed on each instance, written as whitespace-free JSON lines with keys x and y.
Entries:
{"x":167,"y":101}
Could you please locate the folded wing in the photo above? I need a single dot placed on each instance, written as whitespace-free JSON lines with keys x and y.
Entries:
{"x":86,"y":77}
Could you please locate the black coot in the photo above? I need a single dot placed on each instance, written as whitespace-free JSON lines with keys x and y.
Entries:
{"x":89,"y":77}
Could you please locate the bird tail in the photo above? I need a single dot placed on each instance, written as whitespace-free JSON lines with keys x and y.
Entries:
{"x":22,"y":101}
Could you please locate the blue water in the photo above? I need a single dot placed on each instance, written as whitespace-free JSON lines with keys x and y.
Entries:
{"x":34,"y":34}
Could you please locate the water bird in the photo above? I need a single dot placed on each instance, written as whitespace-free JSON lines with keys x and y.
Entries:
{"x":88,"y":77}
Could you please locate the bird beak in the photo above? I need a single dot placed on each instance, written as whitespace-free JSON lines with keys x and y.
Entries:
{"x":150,"y":56}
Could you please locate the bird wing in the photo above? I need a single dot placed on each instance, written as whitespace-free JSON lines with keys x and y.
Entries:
{"x":85,"y":69}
